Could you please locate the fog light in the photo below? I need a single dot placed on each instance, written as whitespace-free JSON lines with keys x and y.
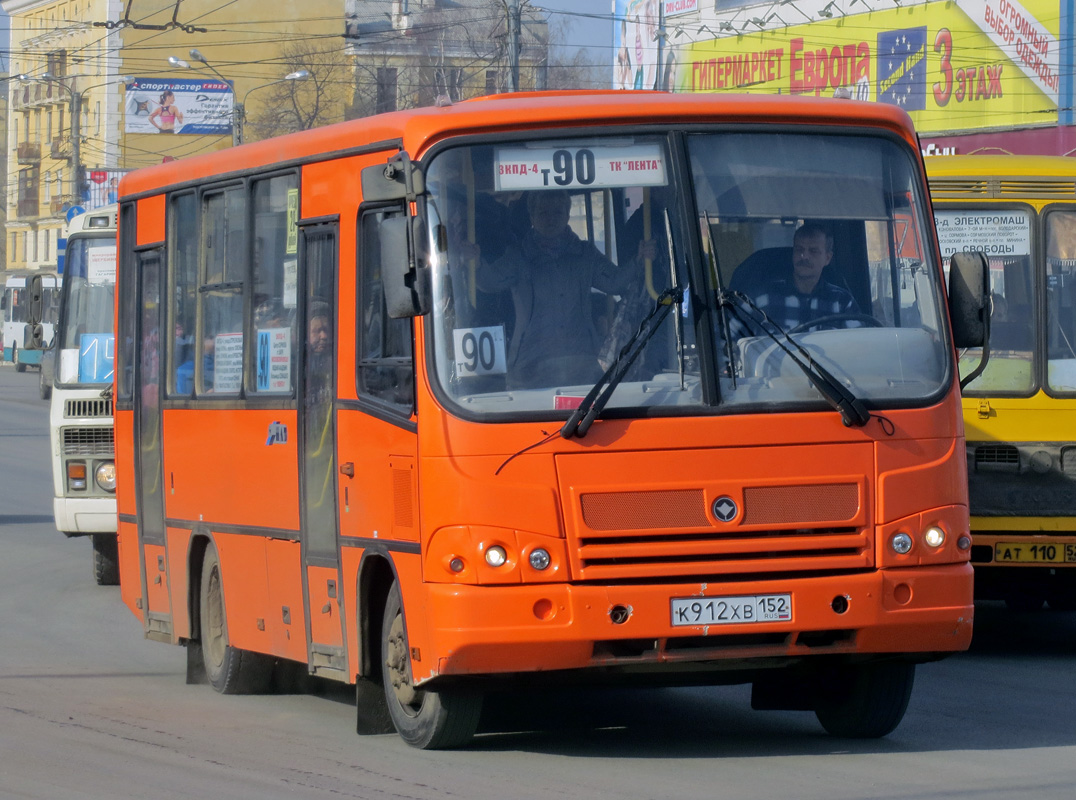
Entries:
{"x":539,"y":558}
{"x":456,"y":564}
{"x":106,"y":476}
{"x":76,"y":475}
{"x":495,"y":556}
{"x":963,"y":542}
{"x":901,"y":543}
{"x":934,"y":536}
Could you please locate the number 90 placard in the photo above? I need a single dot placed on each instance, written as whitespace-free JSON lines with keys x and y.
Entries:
{"x":479,"y":351}
{"x":571,"y":167}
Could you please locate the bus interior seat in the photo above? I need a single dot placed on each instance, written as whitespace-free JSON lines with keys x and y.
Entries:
{"x":760,"y":268}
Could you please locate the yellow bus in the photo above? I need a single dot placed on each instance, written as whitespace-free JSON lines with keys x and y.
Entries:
{"x":1018,"y":414}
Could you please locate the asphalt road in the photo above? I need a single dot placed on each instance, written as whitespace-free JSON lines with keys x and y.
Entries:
{"x":89,"y":709}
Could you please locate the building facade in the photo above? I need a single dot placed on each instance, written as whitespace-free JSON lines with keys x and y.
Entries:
{"x":982,"y":76}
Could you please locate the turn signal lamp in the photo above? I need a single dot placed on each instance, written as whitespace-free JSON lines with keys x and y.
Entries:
{"x":76,"y":475}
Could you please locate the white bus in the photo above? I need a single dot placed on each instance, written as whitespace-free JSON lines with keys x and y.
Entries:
{"x":80,"y":418}
{"x":15,"y":305}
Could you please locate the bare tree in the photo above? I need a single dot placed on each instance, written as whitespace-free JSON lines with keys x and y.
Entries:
{"x":317,"y":100}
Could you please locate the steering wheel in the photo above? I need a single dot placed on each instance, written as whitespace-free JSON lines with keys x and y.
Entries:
{"x":831,"y":320}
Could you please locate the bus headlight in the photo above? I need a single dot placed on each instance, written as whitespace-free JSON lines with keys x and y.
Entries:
{"x":496,"y":556}
{"x":106,"y":476}
{"x":934,"y":536}
{"x":901,"y":543}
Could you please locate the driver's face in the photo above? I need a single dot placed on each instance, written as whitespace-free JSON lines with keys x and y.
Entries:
{"x":810,"y":255}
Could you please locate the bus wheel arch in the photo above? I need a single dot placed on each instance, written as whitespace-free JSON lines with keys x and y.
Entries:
{"x":228,"y":669}
{"x":376,"y":578}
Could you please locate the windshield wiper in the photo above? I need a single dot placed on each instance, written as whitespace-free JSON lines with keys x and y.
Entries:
{"x":853,"y":412}
{"x":584,"y":415}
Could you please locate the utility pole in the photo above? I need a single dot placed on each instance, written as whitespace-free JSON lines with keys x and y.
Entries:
{"x":76,"y":144}
{"x":513,"y":44}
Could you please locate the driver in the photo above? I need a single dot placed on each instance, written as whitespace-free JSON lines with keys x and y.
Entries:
{"x":797,"y":299}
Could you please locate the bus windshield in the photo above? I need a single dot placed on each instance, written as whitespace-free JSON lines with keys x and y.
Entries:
{"x":86,"y":334}
{"x":550,"y":256}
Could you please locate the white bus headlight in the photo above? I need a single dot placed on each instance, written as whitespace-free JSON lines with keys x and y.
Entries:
{"x":106,"y":476}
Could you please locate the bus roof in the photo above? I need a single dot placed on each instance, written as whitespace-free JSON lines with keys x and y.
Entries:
{"x":1001,"y":165}
{"x":416,"y":129}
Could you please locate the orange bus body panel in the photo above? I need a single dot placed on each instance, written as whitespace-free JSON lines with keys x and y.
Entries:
{"x":151,"y":222}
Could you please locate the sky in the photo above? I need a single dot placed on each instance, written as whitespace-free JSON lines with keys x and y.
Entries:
{"x":591,"y":25}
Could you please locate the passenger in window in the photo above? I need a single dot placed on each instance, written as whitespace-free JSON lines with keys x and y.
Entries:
{"x":801,"y":296}
{"x":319,"y":352}
{"x":551,"y":275}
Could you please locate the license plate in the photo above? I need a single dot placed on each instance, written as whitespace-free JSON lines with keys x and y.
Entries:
{"x":1027,"y":553}
{"x":731,"y":610}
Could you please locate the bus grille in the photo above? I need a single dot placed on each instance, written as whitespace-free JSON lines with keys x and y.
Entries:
{"x":88,"y":409}
{"x":997,"y":458}
{"x":646,"y":535}
{"x":88,"y":441}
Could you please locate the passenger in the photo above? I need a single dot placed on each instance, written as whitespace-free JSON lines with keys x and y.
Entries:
{"x":551,"y":275}
{"x":798,"y":298}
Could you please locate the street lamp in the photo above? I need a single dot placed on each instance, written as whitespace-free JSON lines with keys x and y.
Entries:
{"x":239,"y":113}
{"x":76,"y":120}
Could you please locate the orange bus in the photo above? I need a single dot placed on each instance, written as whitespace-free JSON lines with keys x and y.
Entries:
{"x":451,"y":400}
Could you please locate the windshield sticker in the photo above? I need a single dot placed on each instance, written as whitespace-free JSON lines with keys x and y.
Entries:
{"x":600,"y":166}
{"x":479,"y":351}
{"x":101,"y":264}
{"x":996,"y":233}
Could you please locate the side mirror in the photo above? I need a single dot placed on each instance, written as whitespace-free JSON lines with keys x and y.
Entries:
{"x":35,"y":307}
{"x":398,"y":179}
{"x":34,"y":336}
{"x":404,"y":275}
{"x":969,"y":290}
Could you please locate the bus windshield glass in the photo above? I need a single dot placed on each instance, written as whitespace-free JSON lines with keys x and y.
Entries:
{"x":722,"y":280}
{"x":85,"y":343}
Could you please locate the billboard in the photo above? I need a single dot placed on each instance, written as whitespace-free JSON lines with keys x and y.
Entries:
{"x":635,"y":42}
{"x":988,"y":64}
{"x":155,"y":105}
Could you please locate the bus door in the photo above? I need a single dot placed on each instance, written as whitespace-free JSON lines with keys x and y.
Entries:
{"x":317,"y":447}
{"x":148,"y":458}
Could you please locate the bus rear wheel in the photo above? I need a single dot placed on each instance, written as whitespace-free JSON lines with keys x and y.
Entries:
{"x":229,"y":670}
{"x":866,"y":701}
{"x":106,"y":559}
{"x":426,"y":719}
{"x":19,"y":366}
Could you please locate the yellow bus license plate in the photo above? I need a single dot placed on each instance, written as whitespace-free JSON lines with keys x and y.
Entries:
{"x":1027,"y":553}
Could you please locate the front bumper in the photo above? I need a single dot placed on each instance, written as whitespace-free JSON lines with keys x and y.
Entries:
{"x":79,"y":515}
{"x":497,"y":630}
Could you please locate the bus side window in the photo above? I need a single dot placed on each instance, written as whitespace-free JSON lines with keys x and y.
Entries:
{"x":275,"y":276}
{"x":220,"y":295}
{"x":183,"y":258}
{"x":385,"y":368}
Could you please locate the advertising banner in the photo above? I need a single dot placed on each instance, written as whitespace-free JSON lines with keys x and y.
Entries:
{"x":166,"y":106}
{"x":635,"y":42}
{"x":988,"y":64}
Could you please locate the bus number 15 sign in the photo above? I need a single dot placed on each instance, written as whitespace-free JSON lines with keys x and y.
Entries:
{"x":600,"y":166}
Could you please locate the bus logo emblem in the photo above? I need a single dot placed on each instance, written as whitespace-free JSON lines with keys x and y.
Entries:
{"x":725,"y":509}
{"x":278,"y":434}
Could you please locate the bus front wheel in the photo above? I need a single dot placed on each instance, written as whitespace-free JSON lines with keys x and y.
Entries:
{"x":426,"y":719}
{"x":866,"y":701}
{"x":228,"y":669}
{"x":19,"y":366}
{"x":106,"y":559}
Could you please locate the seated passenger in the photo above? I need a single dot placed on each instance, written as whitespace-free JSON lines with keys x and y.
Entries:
{"x":802,"y":296}
{"x":551,"y":274}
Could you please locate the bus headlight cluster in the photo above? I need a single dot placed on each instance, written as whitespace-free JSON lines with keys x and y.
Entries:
{"x":495,"y":556}
{"x":106,"y":476}
{"x":932,"y":536}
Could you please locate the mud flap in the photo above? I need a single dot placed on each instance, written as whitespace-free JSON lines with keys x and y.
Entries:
{"x":371,"y":710}
{"x":195,"y":664}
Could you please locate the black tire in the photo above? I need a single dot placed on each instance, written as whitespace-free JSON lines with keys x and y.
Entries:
{"x":429,"y":720}
{"x":44,"y":390}
{"x":866,"y":701}
{"x":106,"y":559}
{"x":19,"y":366}
{"x":1061,"y":594}
{"x":228,"y":669}
{"x":1025,"y":601}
